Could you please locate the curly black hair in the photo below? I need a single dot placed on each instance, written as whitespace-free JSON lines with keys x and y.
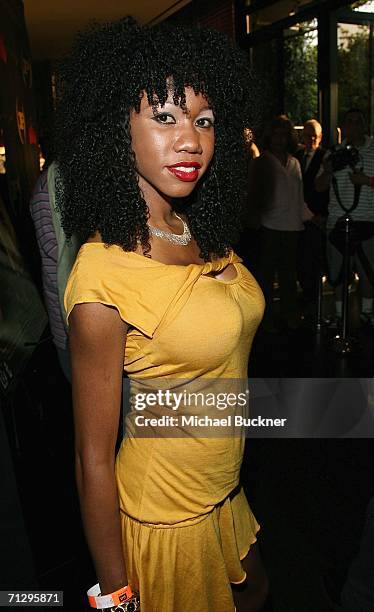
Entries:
{"x":101,"y":82}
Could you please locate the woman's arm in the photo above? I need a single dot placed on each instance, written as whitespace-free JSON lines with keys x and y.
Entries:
{"x":97,"y":342}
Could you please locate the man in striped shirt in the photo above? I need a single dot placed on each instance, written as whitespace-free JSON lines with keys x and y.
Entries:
{"x":57,"y":258}
{"x":354,"y":131}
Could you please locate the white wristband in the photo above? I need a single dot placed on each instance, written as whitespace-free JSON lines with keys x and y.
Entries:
{"x":107,"y":601}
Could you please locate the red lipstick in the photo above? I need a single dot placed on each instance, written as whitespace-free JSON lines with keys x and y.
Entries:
{"x":185,"y":171}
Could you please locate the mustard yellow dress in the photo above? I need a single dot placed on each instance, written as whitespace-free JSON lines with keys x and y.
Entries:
{"x":185,"y":520}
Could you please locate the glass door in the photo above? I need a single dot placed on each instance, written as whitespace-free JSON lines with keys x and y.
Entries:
{"x":355,"y":67}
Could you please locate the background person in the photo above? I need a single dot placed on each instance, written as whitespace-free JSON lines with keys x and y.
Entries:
{"x":354,"y":130}
{"x":248,"y":246}
{"x":278,"y":191}
{"x":57,"y":259}
{"x":358,"y":590}
{"x":250,"y":145}
{"x":311,"y":245}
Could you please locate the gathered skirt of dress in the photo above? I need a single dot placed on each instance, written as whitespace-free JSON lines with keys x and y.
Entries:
{"x":190,"y":565}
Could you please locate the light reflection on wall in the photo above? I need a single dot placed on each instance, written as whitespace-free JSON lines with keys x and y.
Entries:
{"x":368,"y":7}
{"x":2,"y":160}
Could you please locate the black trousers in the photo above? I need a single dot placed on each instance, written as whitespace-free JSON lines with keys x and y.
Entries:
{"x":278,"y":253}
{"x":310,"y":260}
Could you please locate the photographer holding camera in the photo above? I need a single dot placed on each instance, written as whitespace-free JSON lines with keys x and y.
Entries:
{"x":348,"y":170}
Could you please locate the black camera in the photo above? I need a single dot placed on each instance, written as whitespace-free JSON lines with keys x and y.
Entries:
{"x":341,"y":157}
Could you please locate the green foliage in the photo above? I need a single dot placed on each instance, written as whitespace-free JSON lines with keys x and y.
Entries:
{"x":301,"y":89}
{"x":353,"y":70}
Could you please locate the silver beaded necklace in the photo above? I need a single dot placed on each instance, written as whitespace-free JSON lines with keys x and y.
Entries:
{"x":181,"y":239}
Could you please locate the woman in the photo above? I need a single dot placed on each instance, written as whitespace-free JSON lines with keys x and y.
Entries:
{"x":150,"y":122}
{"x":278,"y":192}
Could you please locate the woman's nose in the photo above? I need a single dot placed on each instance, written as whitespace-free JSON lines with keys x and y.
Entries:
{"x":188,"y":139}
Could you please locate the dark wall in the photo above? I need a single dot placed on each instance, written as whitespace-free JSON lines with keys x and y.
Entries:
{"x":213,"y":14}
{"x":44,"y":107}
{"x":18,"y":127}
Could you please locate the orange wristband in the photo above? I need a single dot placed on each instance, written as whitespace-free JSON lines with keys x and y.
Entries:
{"x":107,"y":601}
